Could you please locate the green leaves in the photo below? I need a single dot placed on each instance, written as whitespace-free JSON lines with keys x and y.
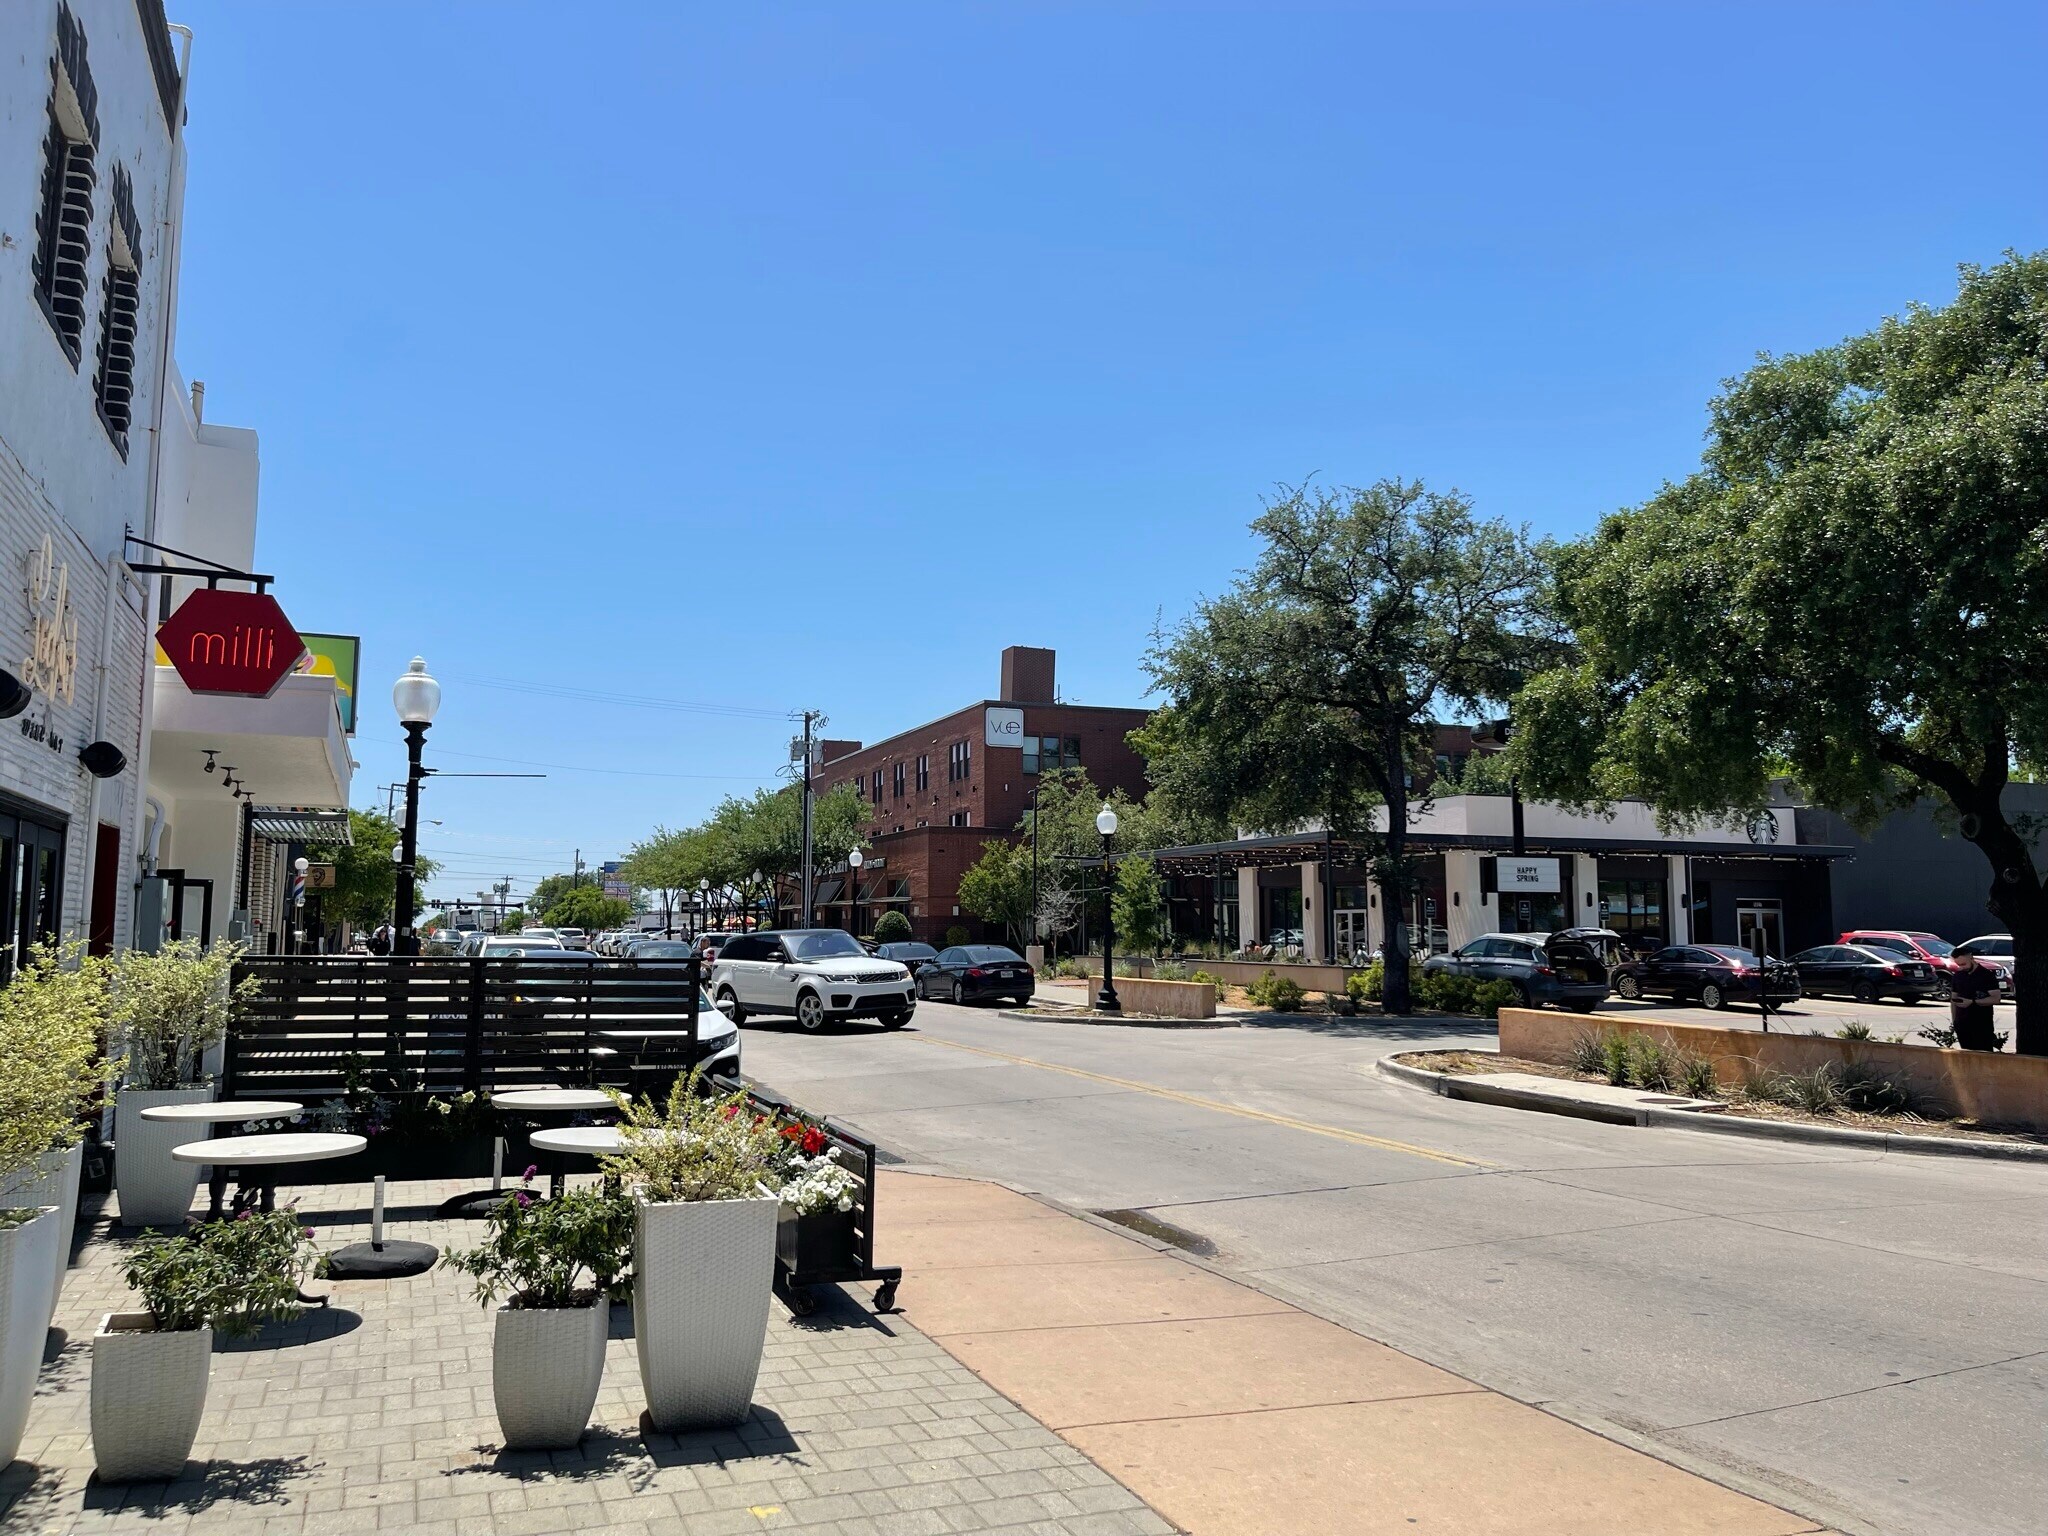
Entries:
{"x":551,"y":1253}
{"x":234,"y":1275}
{"x":172,"y":1006}
{"x":53,"y":1015}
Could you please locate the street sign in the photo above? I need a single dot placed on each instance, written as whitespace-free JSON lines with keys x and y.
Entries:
{"x":231,"y":642}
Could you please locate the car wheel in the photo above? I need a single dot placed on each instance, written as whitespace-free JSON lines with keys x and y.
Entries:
{"x":810,"y":1012}
{"x":1713,"y":997}
{"x":1866,"y":991}
{"x":959,"y":996}
{"x":895,"y":1020}
{"x":1628,"y":987}
{"x":729,"y":1005}
{"x":1522,"y":999}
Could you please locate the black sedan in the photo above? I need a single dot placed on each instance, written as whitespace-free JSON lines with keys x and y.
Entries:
{"x":1712,"y":974}
{"x":1865,"y":973}
{"x":908,"y":953}
{"x":970,"y":971}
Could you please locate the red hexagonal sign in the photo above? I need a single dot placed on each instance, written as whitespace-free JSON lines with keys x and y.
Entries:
{"x":230,"y":642}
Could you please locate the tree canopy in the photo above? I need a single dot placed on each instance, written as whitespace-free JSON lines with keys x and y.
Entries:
{"x":1307,"y":692}
{"x":1853,"y":588}
{"x":587,"y":907}
{"x":365,"y":879}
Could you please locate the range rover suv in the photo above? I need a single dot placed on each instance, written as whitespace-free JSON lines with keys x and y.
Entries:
{"x":814,"y":974}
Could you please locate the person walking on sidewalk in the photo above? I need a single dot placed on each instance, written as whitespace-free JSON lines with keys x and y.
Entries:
{"x":1972,"y":992}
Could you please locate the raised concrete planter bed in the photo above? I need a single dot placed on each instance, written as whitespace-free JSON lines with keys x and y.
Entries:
{"x":1986,"y":1086}
{"x":1166,"y":999}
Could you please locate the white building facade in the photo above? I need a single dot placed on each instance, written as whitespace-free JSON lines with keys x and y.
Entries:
{"x":90,"y":206}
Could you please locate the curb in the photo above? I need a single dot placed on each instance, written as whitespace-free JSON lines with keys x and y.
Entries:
{"x":1125,"y":1022}
{"x":1450,"y":1086}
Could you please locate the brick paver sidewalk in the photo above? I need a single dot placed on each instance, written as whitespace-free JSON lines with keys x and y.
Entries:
{"x":376,"y":1415}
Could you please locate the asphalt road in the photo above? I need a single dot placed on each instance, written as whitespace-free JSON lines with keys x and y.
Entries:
{"x":1862,"y":1338}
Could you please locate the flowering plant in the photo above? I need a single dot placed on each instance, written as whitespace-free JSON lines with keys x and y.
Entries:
{"x":819,"y":1184}
{"x":698,"y":1148}
{"x":235,"y":1275}
{"x":551,"y":1253}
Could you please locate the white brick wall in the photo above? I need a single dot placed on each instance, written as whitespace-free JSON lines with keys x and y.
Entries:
{"x":30,"y":770}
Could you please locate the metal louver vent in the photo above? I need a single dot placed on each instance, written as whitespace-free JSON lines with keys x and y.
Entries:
{"x":64,"y":233}
{"x":114,"y":384}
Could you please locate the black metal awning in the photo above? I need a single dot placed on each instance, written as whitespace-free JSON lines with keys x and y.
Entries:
{"x":295,"y":824}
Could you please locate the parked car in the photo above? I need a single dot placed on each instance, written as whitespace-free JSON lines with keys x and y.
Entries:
{"x":1994,"y":949}
{"x":1712,"y":974}
{"x":816,"y":974}
{"x":907,"y":953}
{"x":1561,"y":968}
{"x":967,"y":973}
{"x":659,"y":949}
{"x":1931,"y":949}
{"x":1865,"y":973}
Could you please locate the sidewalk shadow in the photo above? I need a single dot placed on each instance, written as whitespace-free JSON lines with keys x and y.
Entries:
{"x":262,"y":1482}
{"x":313,"y":1325}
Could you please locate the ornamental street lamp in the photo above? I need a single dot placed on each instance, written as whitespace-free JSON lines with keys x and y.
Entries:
{"x":754,"y":900}
{"x":299,"y":867}
{"x":1106,"y":999}
{"x":853,"y":864}
{"x":417,"y":698}
{"x":704,"y":904}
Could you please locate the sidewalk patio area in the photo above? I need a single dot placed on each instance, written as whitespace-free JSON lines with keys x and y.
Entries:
{"x":375,"y":1414}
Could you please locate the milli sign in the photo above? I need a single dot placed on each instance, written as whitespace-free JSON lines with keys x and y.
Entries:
{"x":1002,"y":727}
{"x":1537,"y":875}
{"x":223,"y":641}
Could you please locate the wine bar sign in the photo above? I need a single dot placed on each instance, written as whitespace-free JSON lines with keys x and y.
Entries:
{"x":231,"y":642}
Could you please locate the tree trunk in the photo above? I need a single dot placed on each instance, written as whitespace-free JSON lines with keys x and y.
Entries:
{"x":2027,"y":921}
{"x":1394,"y":990}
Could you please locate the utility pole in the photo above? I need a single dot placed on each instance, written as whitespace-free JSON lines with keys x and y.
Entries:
{"x":811,"y":717}
{"x":576,"y":876}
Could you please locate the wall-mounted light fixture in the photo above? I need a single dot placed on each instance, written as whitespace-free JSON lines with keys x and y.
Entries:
{"x":102,"y":759}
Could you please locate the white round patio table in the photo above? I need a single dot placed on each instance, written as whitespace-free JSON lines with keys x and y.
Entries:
{"x":224,"y":1112}
{"x":265,"y":1153}
{"x":553,"y":1100}
{"x":582,"y":1140}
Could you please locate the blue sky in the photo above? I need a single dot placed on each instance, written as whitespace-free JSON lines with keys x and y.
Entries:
{"x":771,"y":356}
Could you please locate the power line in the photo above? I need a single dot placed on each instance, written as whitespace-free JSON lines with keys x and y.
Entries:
{"x":627,"y":773}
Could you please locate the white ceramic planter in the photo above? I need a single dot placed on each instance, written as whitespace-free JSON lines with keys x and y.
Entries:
{"x":28,"y":1279}
{"x":546,"y":1363}
{"x":55,"y":1182}
{"x":155,"y":1191}
{"x":148,"y":1392}
{"x":703,"y":1274}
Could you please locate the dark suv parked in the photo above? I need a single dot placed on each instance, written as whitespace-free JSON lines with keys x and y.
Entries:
{"x":1561,"y":968}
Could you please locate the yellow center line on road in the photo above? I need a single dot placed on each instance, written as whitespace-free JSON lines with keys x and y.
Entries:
{"x":1335,"y":1132}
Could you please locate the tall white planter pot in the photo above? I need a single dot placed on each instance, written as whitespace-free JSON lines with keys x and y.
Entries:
{"x":155,"y":1191}
{"x":546,"y":1363}
{"x":28,"y":1279}
{"x":148,"y":1392}
{"x":54,"y":1181}
{"x":703,"y":1275}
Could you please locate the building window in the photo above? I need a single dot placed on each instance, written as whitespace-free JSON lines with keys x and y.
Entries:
{"x":924,"y":772}
{"x":878,"y":786}
{"x":1045,"y":753}
{"x":860,"y":789}
{"x":896,"y":782}
{"x":959,"y":762}
{"x":957,"y":819}
{"x":64,"y":232}
{"x":1635,"y":909}
{"x":113,"y":382}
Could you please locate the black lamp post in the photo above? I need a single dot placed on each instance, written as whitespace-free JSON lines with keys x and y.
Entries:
{"x":1106,"y":999}
{"x":417,"y":698}
{"x":854,"y":860}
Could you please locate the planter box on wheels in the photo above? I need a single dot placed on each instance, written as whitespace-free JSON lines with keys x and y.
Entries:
{"x":704,"y":1272}
{"x":148,"y":1392}
{"x":28,"y":1280}
{"x":546,"y":1364}
{"x":154,"y":1189}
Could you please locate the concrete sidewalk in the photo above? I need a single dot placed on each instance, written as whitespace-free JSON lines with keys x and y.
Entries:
{"x":1235,"y":1414}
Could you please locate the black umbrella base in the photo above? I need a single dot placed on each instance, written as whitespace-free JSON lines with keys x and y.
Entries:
{"x":381,"y":1261}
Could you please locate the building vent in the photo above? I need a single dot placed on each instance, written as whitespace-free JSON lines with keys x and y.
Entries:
{"x":113,"y":386}
{"x":64,"y":234}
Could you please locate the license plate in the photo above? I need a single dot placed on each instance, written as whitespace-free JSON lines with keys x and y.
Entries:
{"x":1916,"y":970}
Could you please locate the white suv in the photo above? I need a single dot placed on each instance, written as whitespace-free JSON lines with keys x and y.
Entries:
{"x":814,"y":973}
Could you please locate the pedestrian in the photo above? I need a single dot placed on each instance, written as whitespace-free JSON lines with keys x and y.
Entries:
{"x":380,"y":941}
{"x":1972,"y":991}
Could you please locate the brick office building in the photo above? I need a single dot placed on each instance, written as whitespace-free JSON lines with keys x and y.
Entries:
{"x":939,"y":794}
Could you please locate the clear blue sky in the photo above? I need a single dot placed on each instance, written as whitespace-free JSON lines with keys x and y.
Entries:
{"x":778,"y":355}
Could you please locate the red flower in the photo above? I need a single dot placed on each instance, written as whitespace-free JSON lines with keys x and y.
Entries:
{"x":791,"y":1132}
{"x":815,"y":1141}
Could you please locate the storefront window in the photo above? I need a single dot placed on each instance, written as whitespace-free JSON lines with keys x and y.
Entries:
{"x":1282,"y":915}
{"x":1635,"y":910}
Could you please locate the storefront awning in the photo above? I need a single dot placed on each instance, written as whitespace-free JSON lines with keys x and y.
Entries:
{"x":287,"y":748}
{"x":1301,"y":848}
{"x":292,"y":824}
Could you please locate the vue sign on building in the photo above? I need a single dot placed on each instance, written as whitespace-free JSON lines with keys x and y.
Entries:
{"x":231,"y":642}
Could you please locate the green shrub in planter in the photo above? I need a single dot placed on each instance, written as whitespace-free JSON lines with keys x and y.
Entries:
{"x":230,"y":1276}
{"x":1448,"y":992}
{"x":551,"y":1253}
{"x":955,"y":936}
{"x":1489,"y":997}
{"x":892,"y":927}
{"x":1214,"y":981}
{"x":1367,"y":985}
{"x":1282,"y":994}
